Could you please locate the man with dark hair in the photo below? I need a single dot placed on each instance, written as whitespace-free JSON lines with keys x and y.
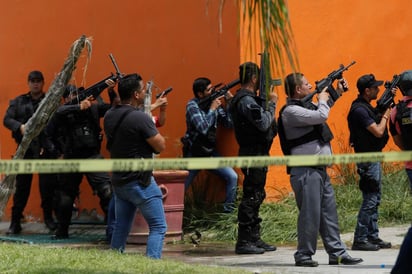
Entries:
{"x":131,"y":133}
{"x":254,"y":131}
{"x":368,"y":133}
{"x":201,"y":123}
{"x":303,"y":131}
{"x":18,"y":113}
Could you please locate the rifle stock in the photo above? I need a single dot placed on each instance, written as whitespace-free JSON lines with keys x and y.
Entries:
{"x":96,"y":89}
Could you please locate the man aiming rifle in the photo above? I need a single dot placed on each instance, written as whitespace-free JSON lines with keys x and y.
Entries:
{"x":97,"y":88}
{"x":327,"y":82}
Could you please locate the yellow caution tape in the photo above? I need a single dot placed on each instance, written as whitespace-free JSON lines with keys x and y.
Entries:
{"x":99,"y":165}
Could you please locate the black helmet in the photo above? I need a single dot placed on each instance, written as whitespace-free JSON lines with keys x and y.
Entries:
{"x":68,"y":90}
{"x":405,"y":82}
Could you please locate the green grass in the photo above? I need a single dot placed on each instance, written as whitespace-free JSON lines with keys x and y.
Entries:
{"x":19,"y":258}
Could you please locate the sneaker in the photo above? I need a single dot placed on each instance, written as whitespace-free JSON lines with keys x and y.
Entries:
{"x":265,"y":246}
{"x":307,"y":263}
{"x":365,"y":246}
{"x":244,"y":247}
{"x":381,"y":243}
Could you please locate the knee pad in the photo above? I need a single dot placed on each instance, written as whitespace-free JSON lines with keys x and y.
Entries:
{"x":105,"y":192}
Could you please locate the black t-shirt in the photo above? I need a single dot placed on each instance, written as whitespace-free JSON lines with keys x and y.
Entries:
{"x":130,"y":138}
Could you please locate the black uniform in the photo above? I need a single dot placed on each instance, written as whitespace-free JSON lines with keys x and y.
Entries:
{"x":255,"y":129}
{"x":82,"y":140}
{"x":20,"y":110}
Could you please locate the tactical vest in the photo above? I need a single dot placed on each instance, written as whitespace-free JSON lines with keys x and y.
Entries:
{"x":361,"y":138}
{"x":404,"y":120}
{"x":84,"y":133}
{"x":245,"y":132}
{"x":320,"y":132}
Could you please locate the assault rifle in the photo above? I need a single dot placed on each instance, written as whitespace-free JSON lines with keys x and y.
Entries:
{"x":386,"y":100}
{"x":206,"y":102}
{"x":327,"y":82}
{"x":97,"y":88}
{"x":164,"y":93}
{"x":265,"y":79}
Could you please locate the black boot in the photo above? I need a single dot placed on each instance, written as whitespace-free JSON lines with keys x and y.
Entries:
{"x":15,"y":228}
{"x":245,"y":243}
{"x":62,"y":232}
{"x":246,"y":247}
{"x":50,"y":224}
{"x":255,"y":234}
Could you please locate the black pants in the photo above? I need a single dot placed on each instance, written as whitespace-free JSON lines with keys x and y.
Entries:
{"x":69,"y":189}
{"x":253,"y":196}
{"x":48,"y":184}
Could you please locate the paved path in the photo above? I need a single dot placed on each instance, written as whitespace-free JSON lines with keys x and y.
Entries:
{"x":279,"y":261}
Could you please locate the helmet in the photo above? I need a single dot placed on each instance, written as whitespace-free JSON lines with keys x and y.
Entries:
{"x":69,"y":90}
{"x":405,"y":82}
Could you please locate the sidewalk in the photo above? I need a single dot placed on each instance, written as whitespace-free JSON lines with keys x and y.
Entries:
{"x":279,"y":261}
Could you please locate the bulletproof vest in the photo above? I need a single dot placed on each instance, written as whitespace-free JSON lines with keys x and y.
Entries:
{"x":361,"y":138}
{"x":84,"y":133}
{"x":404,"y":120}
{"x":245,"y":132}
{"x":320,"y":132}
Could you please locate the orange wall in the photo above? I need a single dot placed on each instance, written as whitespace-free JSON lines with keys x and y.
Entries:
{"x":376,"y":34}
{"x":171,"y":42}
{"x":175,"y":41}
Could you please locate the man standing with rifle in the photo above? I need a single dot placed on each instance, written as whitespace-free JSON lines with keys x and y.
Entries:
{"x":368,"y":133}
{"x":254,"y":131}
{"x":303,"y":130}
{"x":203,"y":115}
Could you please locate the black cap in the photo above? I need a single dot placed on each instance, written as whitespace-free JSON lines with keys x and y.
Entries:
{"x":69,"y":90}
{"x":368,"y":81}
{"x":35,"y":74}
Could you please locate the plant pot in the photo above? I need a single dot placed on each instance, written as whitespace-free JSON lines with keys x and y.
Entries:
{"x":172,"y":184}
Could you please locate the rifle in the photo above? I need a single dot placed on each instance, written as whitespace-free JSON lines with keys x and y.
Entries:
{"x":164,"y":93}
{"x":386,"y":100}
{"x":265,"y":79}
{"x":327,"y":82}
{"x":97,"y":88}
{"x":206,"y":102}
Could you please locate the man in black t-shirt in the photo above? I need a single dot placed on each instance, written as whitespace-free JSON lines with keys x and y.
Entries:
{"x":131,"y":133}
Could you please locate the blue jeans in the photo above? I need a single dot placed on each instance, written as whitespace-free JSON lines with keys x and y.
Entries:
{"x":229,"y":176}
{"x":129,"y":198}
{"x":370,"y":185}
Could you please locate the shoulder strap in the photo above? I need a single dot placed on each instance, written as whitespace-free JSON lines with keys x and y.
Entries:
{"x":110,"y":139}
